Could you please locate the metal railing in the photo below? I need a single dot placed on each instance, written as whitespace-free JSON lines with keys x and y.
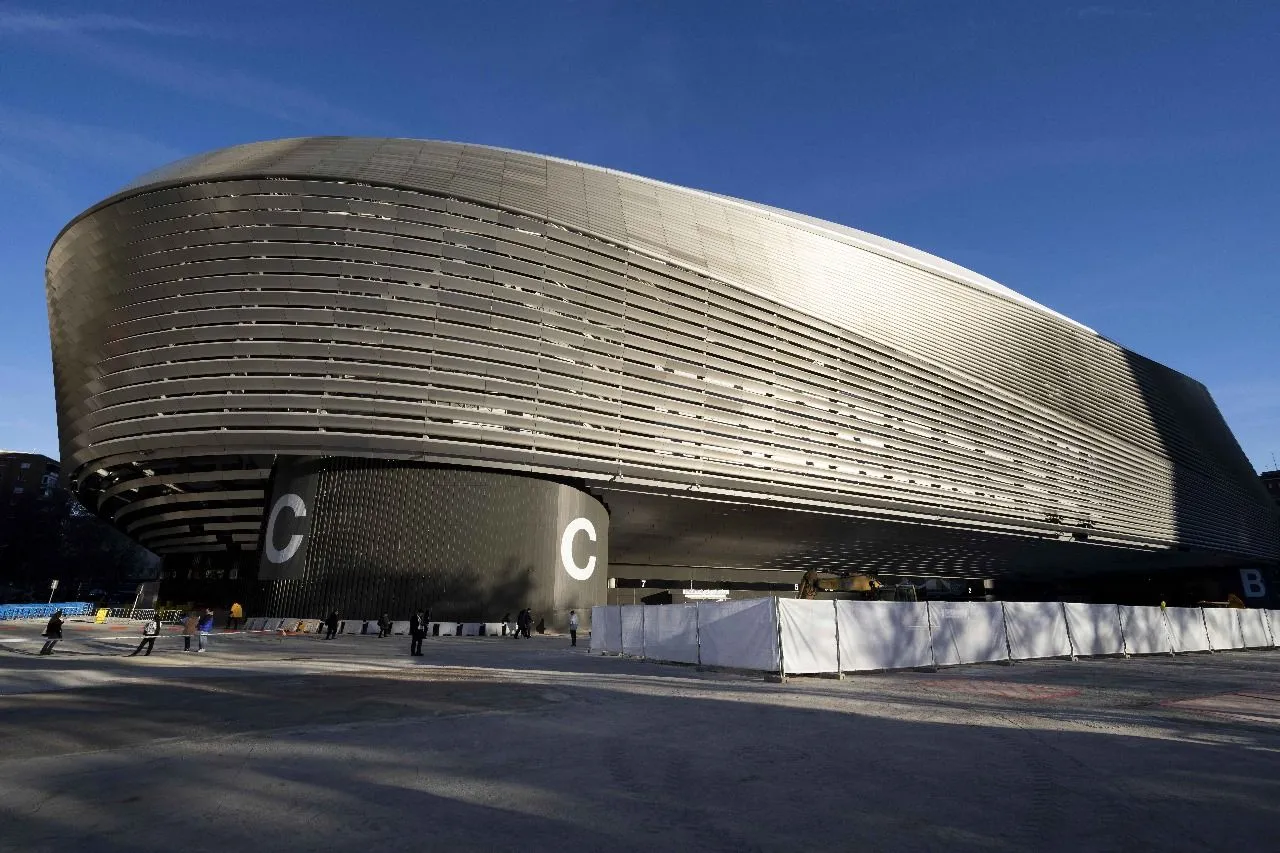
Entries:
{"x":169,"y":617}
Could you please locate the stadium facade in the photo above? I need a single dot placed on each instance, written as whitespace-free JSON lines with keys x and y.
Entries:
{"x":385,"y":371}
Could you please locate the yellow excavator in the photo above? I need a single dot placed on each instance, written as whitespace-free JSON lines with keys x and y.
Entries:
{"x":851,"y":584}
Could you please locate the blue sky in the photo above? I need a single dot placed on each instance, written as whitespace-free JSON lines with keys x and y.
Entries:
{"x":1118,"y":162}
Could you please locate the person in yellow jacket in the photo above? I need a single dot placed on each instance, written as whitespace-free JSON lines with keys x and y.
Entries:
{"x":236,"y":617}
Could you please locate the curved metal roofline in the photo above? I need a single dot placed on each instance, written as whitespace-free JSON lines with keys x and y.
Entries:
{"x":173,"y":174}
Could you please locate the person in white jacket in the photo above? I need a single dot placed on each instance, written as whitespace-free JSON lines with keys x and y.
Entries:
{"x":149,"y":633}
{"x":573,"y":627}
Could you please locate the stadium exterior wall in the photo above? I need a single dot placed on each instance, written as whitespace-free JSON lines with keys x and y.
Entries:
{"x":369,"y":536}
{"x":453,"y":304}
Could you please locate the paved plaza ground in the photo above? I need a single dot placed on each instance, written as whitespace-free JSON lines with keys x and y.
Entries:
{"x":489,"y":744}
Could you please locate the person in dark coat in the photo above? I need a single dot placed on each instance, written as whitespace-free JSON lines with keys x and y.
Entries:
{"x":417,"y":630}
{"x":331,"y":622}
{"x":384,"y":625}
{"x":203,"y":629}
{"x":149,"y":633}
{"x":189,"y":627}
{"x":52,"y":632}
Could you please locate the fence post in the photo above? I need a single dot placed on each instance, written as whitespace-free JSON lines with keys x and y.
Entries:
{"x":928,"y":626}
{"x":1008,"y":646}
{"x":697,"y":630}
{"x":1204,"y":620}
{"x":643,"y":652}
{"x":835,"y":607}
{"x":777,"y":627}
{"x":1071,"y":638}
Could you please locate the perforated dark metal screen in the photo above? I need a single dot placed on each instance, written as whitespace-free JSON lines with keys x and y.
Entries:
{"x":469,"y":545}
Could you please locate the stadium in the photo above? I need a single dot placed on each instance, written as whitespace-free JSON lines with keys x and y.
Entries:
{"x":374,"y":374}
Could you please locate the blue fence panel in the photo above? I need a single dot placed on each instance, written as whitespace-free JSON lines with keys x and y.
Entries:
{"x":44,"y":611}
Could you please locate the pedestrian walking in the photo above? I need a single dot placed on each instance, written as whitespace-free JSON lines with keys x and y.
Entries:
{"x":573,"y":627}
{"x":417,"y":630}
{"x":150,"y":631}
{"x":52,"y":632}
{"x":524,"y":622}
{"x":189,"y":627}
{"x":203,"y":628}
{"x":236,"y":617}
{"x":331,"y":623}
{"x":384,"y":625}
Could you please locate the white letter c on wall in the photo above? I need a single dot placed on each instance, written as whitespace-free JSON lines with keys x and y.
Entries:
{"x":283,"y":555}
{"x":578,"y":525}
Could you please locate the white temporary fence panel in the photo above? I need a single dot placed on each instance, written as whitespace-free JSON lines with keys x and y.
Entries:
{"x":1095,"y":629}
{"x":883,"y":635}
{"x":398,"y":627}
{"x":598,"y":618}
{"x":671,"y":633}
{"x":967,"y":632}
{"x":1037,"y":629}
{"x":738,"y":634}
{"x":606,"y":629}
{"x":1273,"y":624}
{"x":1186,"y":624}
{"x":272,"y":625}
{"x":254,"y":624}
{"x":808,"y":630}
{"x":1253,"y":628}
{"x":1145,"y":630}
{"x":632,"y":627}
{"x":1224,"y":628}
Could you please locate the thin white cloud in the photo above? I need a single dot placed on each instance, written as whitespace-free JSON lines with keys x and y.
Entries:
{"x":41,"y":184}
{"x":227,"y":86}
{"x":98,"y":39}
{"x":81,"y":141}
{"x":25,"y":22}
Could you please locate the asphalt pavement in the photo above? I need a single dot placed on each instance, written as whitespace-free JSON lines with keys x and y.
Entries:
{"x":298,"y":743}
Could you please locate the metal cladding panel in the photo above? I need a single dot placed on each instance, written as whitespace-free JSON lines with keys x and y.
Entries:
{"x":433,"y":301}
{"x":469,"y":545}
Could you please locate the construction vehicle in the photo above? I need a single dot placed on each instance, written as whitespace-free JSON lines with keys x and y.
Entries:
{"x":852,"y":585}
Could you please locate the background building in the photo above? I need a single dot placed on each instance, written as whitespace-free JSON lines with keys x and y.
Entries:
{"x":355,"y":366}
{"x":45,"y":535}
{"x":1271,"y":482}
